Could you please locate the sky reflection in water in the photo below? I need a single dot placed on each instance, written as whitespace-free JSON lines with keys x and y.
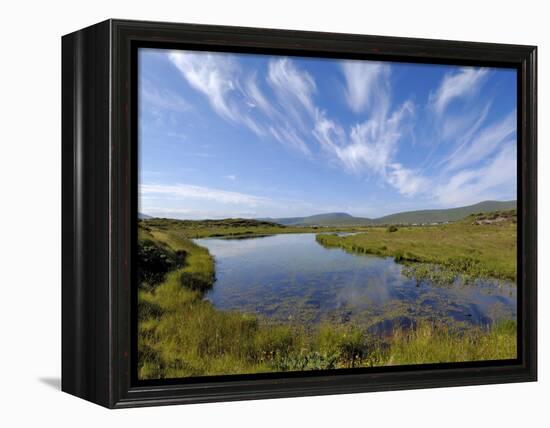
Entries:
{"x":293,"y":278}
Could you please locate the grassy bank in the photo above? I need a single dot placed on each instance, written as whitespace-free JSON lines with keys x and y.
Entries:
{"x":181,"y":334}
{"x":192,"y":229}
{"x":480,"y":246}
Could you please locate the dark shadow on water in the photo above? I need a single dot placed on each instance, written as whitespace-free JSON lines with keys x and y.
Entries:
{"x":52,"y":382}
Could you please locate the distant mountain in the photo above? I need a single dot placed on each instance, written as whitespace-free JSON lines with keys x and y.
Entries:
{"x":329,"y":219}
{"x":408,"y":217}
{"x":144,"y":216}
{"x":450,"y":214}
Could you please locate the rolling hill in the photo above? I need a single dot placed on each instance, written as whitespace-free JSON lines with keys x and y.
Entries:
{"x":407,"y":217}
{"x":450,"y":214}
{"x":329,"y":219}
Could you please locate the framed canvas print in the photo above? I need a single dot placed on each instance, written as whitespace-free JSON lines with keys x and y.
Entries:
{"x":253,"y":213}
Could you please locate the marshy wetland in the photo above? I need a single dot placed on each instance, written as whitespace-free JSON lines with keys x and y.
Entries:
{"x":243,"y":296}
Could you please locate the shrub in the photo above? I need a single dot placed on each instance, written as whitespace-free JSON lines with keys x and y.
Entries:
{"x":195,"y":282}
{"x":399,"y":256}
{"x":392,"y":228}
{"x":155,"y":261}
{"x":148,"y":310}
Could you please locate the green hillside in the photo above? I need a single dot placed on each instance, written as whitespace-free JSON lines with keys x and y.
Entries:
{"x":441,"y":216}
{"x":408,"y":217}
{"x":329,"y":219}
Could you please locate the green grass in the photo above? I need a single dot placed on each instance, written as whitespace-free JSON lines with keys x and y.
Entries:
{"x":463,"y":248}
{"x":444,"y":215}
{"x":192,"y":338}
{"x":432,"y":343}
{"x":192,"y":229}
{"x":181,"y":334}
{"x":197,"y":271}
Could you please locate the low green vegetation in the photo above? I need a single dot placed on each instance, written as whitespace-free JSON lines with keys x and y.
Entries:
{"x":191,"y":263}
{"x":233,"y":227}
{"x":479,"y":246}
{"x":181,"y":334}
{"x":429,"y":343}
{"x":445,"y":215}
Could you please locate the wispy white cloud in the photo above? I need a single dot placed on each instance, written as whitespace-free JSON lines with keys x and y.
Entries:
{"x":161,"y":99}
{"x":196,"y":213}
{"x":256,"y":98}
{"x":210,"y":74}
{"x":460,"y":84}
{"x":494,"y":180}
{"x":237,"y":97}
{"x":371,"y":147}
{"x":191,"y":201}
{"x":366,"y":83}
{"x":293,"y":87}
{"x":188,"y":191}
{"x":407,"y":181}
{"x":282,"y":107}
{"x":292,"y":115}
{"x":290,"y":136}
{"x":231,"y":177}
{"x":216,"y":76}
{"x":483,"y":143}
{"x":460,"y":128}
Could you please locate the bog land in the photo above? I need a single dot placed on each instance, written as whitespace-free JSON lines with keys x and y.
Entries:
{"x":182,"y":331}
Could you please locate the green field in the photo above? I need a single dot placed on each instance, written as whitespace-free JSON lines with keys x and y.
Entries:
{"x":192,"y":229}
{"x":181,"y":334}
{"x":479,"y":246}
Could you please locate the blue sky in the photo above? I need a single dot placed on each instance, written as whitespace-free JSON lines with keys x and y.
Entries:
{"x":234,"y":135}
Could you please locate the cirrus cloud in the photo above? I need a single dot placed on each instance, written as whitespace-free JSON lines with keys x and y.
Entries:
{"x":373,"y":138}
{"x":465,"y":82}
{"x":188,"y":191}
{"x":366,"y":83}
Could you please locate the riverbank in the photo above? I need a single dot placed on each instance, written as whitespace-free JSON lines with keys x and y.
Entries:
{"x":180,"y":334}
{"x":193,"y":229}
{"x":479,"y":246}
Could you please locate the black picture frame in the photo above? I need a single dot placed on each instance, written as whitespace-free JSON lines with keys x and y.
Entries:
{"x":99,"y":212}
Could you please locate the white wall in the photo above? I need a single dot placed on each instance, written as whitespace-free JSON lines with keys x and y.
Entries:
{"x":30,"y":211}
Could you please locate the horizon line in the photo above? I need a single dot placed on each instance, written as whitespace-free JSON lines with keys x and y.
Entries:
{"x":334,"y":212}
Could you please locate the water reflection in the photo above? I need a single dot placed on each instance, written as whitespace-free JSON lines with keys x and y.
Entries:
{"x":293,"y":278}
